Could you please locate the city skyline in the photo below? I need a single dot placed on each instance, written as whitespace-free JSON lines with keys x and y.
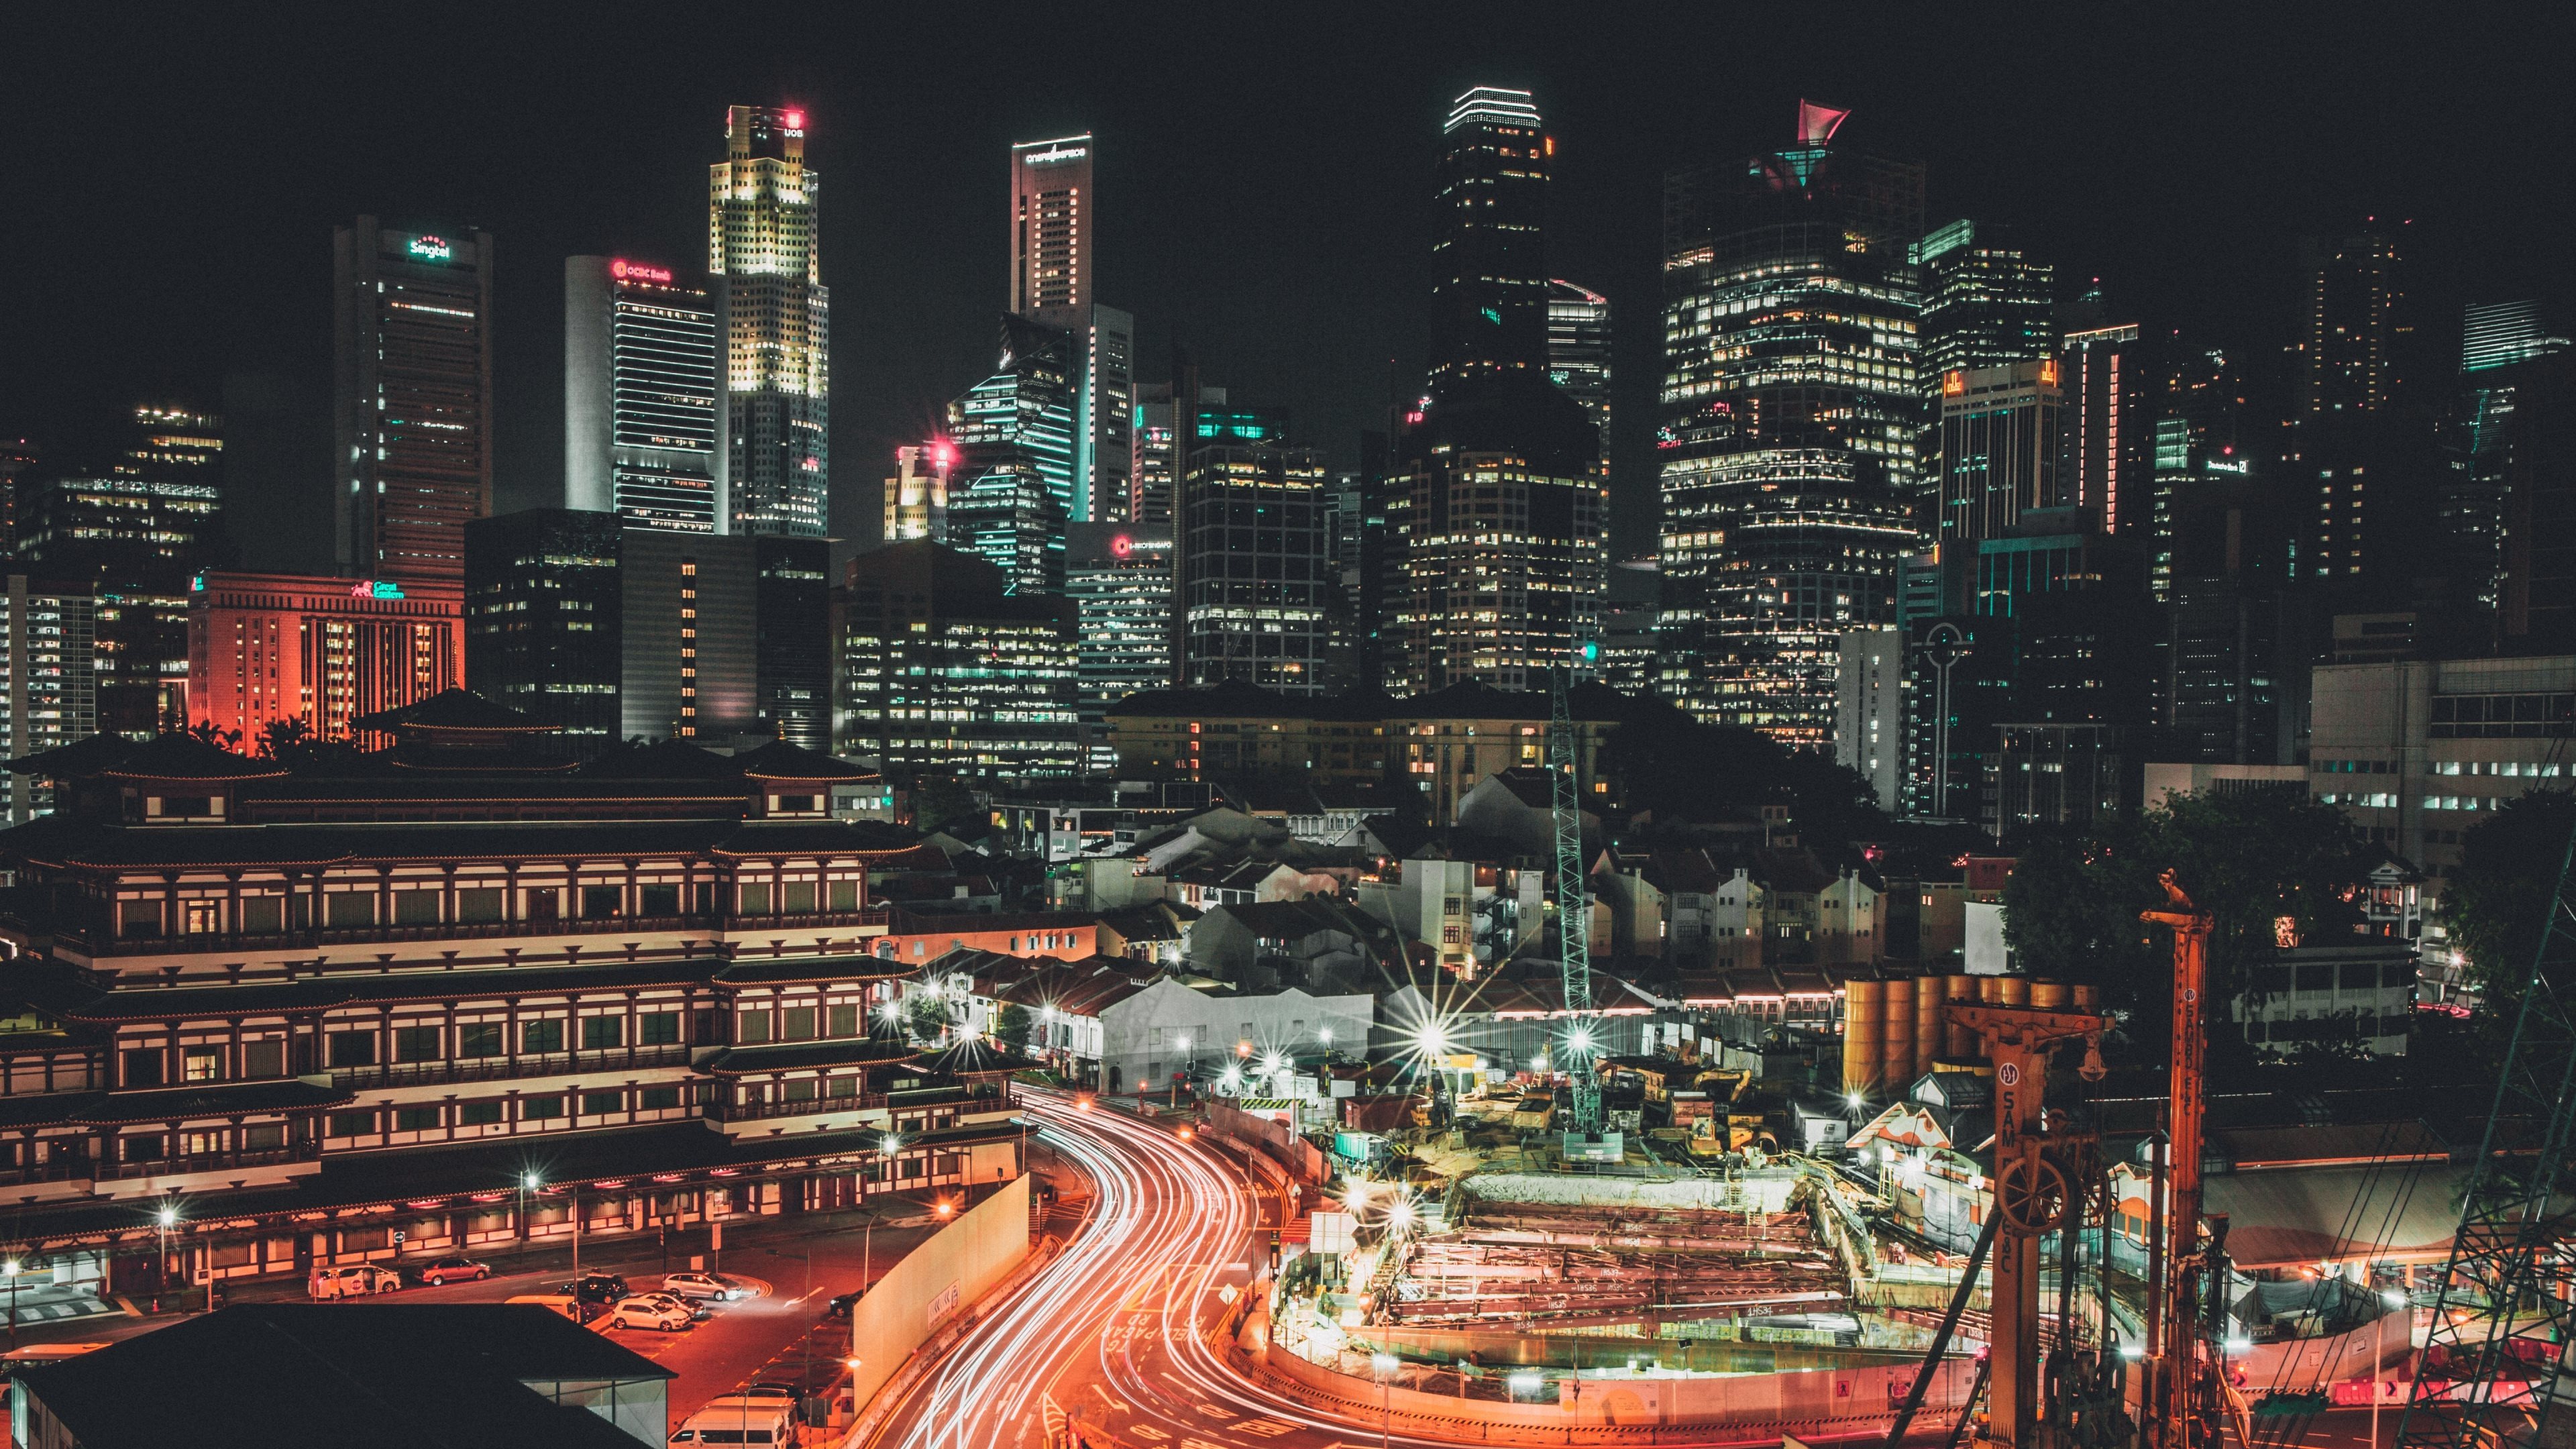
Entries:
{"x":1343,"y":241}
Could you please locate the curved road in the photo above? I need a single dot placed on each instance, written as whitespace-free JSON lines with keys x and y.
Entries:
{"x":1116,"y":1331}
{"x":1113,"y":1329}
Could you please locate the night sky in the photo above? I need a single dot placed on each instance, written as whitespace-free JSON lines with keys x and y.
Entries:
{"x":1263,"y":181}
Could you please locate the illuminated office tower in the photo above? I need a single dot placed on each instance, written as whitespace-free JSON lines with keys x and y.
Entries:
{"x":1009,"y":491}
{"x":48,"y":687}
{"x":1253,"y":539}
{"x":1793,"y":414}
{"x":1985,"y":303}
{"x":764,"y":250}
{"x":134,"y":539}
{"x":916,"y":497}
{"x":1497,"y":518}
{"x":941,"y":667}
{"x":411,"y":398}
{"x":1578,"y":352}
{"x":640,"y":396}
{"x":1053,"y":211}
{"x":1119,"y":576}
{"x":2000,"y":449}
{"x":1156,"y":445}
{"x":2108,"y":435}
{"x":2501,"y":344}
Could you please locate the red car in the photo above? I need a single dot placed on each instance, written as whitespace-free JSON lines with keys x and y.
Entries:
{"x":454,"y":1270}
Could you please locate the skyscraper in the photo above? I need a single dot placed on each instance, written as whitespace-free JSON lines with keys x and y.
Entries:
{"x":1793,"y":418}
{"x":1053,"y":212}
{"x":411,"y":398}
{"x":1010,"y":492}
{"x":641,"y":393}
{"x":1489,"y":282}
{"x":1119,"y":576}
{"x":2353,"y":327}
{"x":916,"y":497}
{"x":764,"y":249}
{"x":2499,"y":345}
{"x":1985,"y":303}
{"x":544,"y":622}
{"x":1255,"y":586}
{"x":134,"y":539}
{"x":940,"y":667}
{"x":2000,"y":447}
{"x":48,"y":687}
{"x":323,"y":651}
{"x":1496,"y":517}
{"x":1051,"y":224}
{"x":2108,"y":436}
{"x":1578,"y":353}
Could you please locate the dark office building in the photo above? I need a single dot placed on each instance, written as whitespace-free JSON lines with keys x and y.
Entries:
{"x":544,"y":620}
{"x":1794,"y":414}
{"x":135,"y":538}
{"x":1497,"y":516}
{"x":691,"y":645}
{"x":1254,"y":570}
{"x":411,"y":399}
{"x":940,"y":667}
{"x":1985,"y":302}
{"x":791,"y":607}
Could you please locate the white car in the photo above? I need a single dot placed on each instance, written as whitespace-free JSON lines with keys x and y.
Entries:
{"x":355,"y":1281}
{"x":649,"y":1311}
{"x":702,"y":1285}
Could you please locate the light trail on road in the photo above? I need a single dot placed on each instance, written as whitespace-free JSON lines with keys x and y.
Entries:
{"x":1117,"y":1327}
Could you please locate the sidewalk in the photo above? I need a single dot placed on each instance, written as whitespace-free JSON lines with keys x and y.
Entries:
{"x":635,"y":1255}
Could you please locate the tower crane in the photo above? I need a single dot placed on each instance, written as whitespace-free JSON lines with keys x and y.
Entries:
{"x":2503,"y":1311}
{"x":1584,"y":1140}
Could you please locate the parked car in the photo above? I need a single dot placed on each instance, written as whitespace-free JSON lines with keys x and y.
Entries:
{"x":597,"y":1288}
{"x":734,"y":1419}
{"x":562,"y":1303}
{"x":703,"y":1285}
{"x":698,"y":1312}
{"x":358,"y":1280}
{"x":655,"y":1311}
{"x":842,"y":1303}
{"x":454,"y":1270}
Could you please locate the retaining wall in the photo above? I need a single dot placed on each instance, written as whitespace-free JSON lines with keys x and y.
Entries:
{"x":945,"y":1274}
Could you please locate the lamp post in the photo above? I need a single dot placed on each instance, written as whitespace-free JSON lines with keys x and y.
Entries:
{"x":163,"y":1220}
{"x":10,"y":1269}
{"x":528,"y":1183}
{"x":2390,"y":1303}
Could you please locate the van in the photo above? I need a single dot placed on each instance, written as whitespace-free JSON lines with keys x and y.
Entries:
{"x":739,"y":1419}
{"x":563,"y":1303}
{"x":358,"y":1280}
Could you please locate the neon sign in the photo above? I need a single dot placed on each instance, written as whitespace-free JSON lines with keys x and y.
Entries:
{"x":626,"y":271}
{"x":1059,"y":153}
{"x":431,"y":249}
{"x":375,"y":589}
{"x":1122,"y":545}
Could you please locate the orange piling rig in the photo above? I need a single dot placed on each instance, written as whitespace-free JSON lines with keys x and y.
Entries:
{"x":2034,"y":1192}
{"x":2175,"y":1373}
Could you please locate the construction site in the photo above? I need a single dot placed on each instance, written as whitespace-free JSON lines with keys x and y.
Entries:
{"x":1962,"y":1253}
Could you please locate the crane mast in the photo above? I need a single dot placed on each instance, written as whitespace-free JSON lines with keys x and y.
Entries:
{"x":1574,"y":936}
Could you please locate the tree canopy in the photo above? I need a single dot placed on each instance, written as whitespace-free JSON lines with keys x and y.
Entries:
{"x":2496,"y":900}
{"x":2072,"y":903}
{"x":1684,"y":769}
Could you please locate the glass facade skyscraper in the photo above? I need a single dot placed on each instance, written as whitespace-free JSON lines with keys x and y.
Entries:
{"x":411,"y":398}
{"x":1010,"y":491}
{"x":641,"y":390}
{"x":2000,"y":448}
{"x":1120,"y":578}
{"x":1793,"y":415}
{"x":1053,"y":214}
{"x":764,"y":249}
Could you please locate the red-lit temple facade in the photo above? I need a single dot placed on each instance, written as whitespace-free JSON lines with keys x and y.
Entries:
{"x":342,"y":1009}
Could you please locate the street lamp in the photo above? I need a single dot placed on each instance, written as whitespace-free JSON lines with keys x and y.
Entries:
{"x":10,"y":1269}
{"x":528,"y":1183}
{"x":163,"y":1220}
